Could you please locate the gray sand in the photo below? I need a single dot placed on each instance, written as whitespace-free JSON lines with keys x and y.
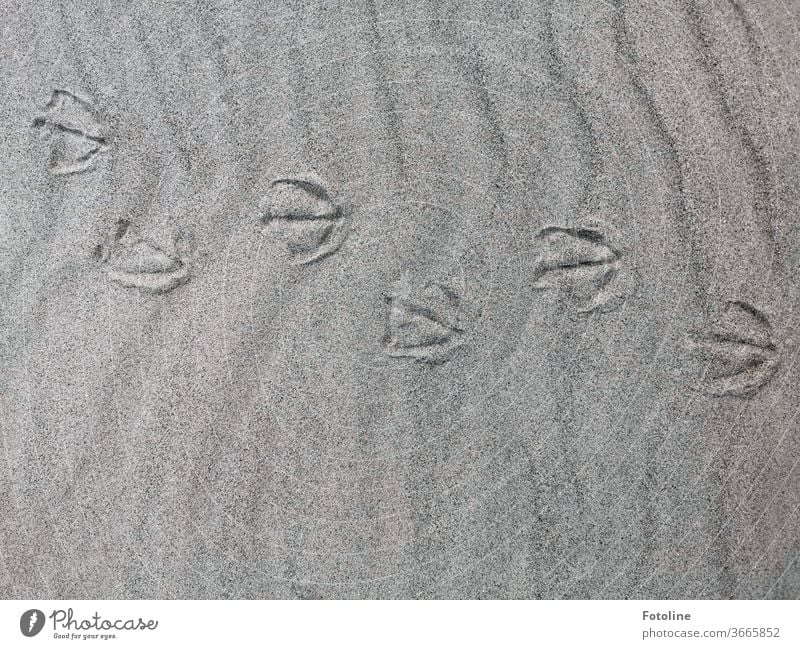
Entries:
{"x":399,"y":299}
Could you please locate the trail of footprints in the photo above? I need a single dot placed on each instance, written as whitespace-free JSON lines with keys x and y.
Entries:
{"x":426,"y":320}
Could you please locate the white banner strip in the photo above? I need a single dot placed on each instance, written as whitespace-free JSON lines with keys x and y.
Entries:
{"x":353,"y":624}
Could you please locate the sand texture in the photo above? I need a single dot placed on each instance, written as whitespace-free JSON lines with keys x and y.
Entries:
{"x":408,"y":299}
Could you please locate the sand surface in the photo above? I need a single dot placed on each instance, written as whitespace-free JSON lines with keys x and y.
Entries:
{"x":409,"y":299}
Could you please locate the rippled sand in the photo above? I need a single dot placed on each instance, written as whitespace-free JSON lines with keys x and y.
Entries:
{"x":399,"y":299}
